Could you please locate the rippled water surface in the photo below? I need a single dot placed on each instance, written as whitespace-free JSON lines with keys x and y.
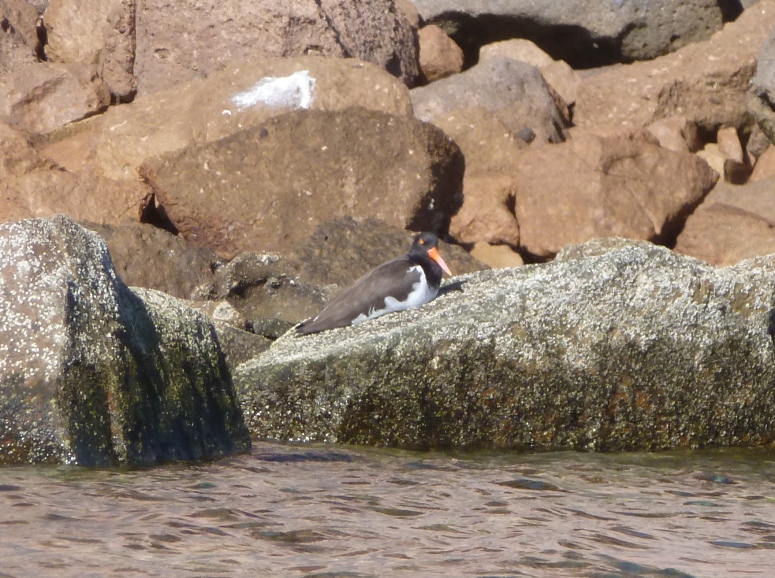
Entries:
{"x":342,"y":512}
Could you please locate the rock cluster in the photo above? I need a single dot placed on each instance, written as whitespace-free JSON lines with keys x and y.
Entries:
{"x":254,"y":158}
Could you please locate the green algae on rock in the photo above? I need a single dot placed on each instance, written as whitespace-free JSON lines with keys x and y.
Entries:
{"x":95,"y":373}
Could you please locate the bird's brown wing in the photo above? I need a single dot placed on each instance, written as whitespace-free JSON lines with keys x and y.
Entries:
{"x":366,"y":294}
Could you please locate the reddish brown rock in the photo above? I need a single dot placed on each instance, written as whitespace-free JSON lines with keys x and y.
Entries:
{"x":270,"y":186}
{"x":487,"y":143}
{"x":100,"y":33}
{"x":178,"y":42}
{"x":83,"y":196}
{"x":491,"y":151}
{"x":439,"y":55}
{"x":706,"y":82}
{"x":117,"y":142}
{"x":596,"y":186}
{"x":729,"y":144}
{"x":734,"y":223}
{"x":17,"y":157}
{"x":39,"y":98}
{"x":737,"y":165}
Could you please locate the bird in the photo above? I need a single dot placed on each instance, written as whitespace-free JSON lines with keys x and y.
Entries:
{"x":399,"y":284}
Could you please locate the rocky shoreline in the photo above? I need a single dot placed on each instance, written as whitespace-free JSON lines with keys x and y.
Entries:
{"x":174,"y":201}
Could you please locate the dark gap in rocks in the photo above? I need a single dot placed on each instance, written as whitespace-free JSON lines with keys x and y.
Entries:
{"x":40,"y":47}
{"x":154,"y":214}
{"x":730,"y":9}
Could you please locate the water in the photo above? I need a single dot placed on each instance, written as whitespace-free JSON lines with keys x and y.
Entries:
{"x":328,"y":511}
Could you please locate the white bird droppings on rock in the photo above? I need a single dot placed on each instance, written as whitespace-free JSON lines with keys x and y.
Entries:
{"x":295,"y":91}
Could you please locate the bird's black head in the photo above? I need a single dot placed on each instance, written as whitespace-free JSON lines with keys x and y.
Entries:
{"x":425,"y":249}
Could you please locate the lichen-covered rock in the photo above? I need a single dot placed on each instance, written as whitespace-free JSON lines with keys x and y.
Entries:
{"x":94,"y":373}
{"x":615,"y":345}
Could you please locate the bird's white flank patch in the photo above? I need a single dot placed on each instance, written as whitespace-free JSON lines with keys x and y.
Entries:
{"x":296,"y":91}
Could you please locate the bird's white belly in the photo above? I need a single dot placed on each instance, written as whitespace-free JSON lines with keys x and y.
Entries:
{"x":420,"y":294}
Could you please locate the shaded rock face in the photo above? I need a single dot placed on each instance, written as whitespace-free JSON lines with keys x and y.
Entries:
{"x":93,"y":373}
{"x":617,"y":345}
{"x":146,"y":256}
{"x":295,"y":286}
{"x":268,"y":187}
{"x":610,"y":186}
{"x":584,"y":33}
{"x":515,"y":91}
{"x":177,"y":42}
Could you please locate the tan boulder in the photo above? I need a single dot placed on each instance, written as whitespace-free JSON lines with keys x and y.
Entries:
{"x":497,"y":256}
{"x":676,"y":134}
{"x":734,"y":223}
{"x":41,"y":97}
{"x":711,"y":154}
{"x":244,"y":95}
{"x":737,"y":164}
{"x":487,"y":214}
{"x":517,"y":49}
{"x":19,"y":32}
{"x":707,"y":82}
{"x":563,"y":79}
{"x":605,"y":186}
{"x":439,"y":55}
{"x":765,"y":165}
{"x":269,"y":186}
{"x":31,"y":185}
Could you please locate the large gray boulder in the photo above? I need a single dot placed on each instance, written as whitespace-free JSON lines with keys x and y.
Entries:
{"x":95,"y":373}
{"x":616,"y":345}
{"x":583,"y":32}
{"x":514,"y":91}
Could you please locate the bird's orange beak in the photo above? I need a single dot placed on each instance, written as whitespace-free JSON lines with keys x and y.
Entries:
{"x":434,"y":254}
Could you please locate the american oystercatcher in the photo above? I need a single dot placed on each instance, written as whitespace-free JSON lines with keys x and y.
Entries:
{"x":401,"y":283}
